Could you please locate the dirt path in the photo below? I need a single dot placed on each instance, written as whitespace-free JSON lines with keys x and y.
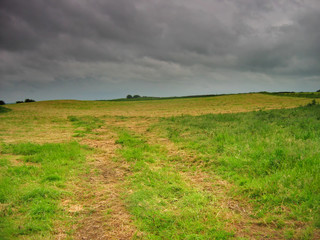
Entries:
{"x":104,"y":214}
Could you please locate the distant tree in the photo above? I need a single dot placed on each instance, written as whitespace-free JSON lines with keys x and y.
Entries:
{"x":2,"y":102}
{"x":29,"y":100}
{"x":19,"y":101}
{"x":129,"y":96}
{"x":136,"y":96}
{"x":318,"y":90}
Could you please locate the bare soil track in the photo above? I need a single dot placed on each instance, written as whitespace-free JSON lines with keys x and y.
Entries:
{"x":105,"y":216}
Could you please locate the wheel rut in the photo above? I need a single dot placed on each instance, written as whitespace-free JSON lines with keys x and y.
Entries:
{"x":105,"y":215}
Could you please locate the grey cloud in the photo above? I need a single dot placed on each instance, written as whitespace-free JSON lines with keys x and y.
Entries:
{"x":120,"y":43}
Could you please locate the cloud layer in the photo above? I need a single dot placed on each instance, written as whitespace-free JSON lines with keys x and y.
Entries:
{"x":102,"y":49}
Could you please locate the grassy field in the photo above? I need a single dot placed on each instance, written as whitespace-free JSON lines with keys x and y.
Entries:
{"x":242,"y":166}
{"x":272,"y":156}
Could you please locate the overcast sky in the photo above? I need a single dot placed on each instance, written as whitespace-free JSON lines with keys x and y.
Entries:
{"x":103,"y":49}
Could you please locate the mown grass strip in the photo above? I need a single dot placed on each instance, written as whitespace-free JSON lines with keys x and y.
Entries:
{"x":272,"y":156}
{"x":164,"y":206}
{"x":33,"y":180}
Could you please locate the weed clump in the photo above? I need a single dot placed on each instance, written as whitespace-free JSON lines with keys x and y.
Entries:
{"x":4,"y":109}
{"x":312,"y":103}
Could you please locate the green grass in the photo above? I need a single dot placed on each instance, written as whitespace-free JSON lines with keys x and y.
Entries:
{"x":85,"y":124}
{"x":272,"y":156}
{"x":33,"y":180}
{"x":163,"y":205}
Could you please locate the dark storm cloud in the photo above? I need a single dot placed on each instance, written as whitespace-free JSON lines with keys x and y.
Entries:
{"x":114,"y":44}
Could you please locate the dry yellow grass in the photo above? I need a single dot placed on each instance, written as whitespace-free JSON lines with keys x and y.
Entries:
{"x":161,"y":108}
{"x":47,"y":121}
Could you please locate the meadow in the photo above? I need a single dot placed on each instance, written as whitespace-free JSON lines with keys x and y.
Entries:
{"x":243,"y":166}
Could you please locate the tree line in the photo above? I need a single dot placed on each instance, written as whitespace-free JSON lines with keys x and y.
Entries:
{"x":129,"y":96}
{"x":25,"y":101}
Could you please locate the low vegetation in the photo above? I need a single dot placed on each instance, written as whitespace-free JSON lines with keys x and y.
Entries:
{"x":4,"y":109}
{"x":272,"y":156}
{"x":33,"y":181}
{"x":164,"y":206}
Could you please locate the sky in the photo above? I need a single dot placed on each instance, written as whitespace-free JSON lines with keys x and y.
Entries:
{"x":106,"y":49}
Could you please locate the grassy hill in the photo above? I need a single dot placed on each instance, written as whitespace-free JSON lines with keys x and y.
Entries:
{"x":239,"y":166}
